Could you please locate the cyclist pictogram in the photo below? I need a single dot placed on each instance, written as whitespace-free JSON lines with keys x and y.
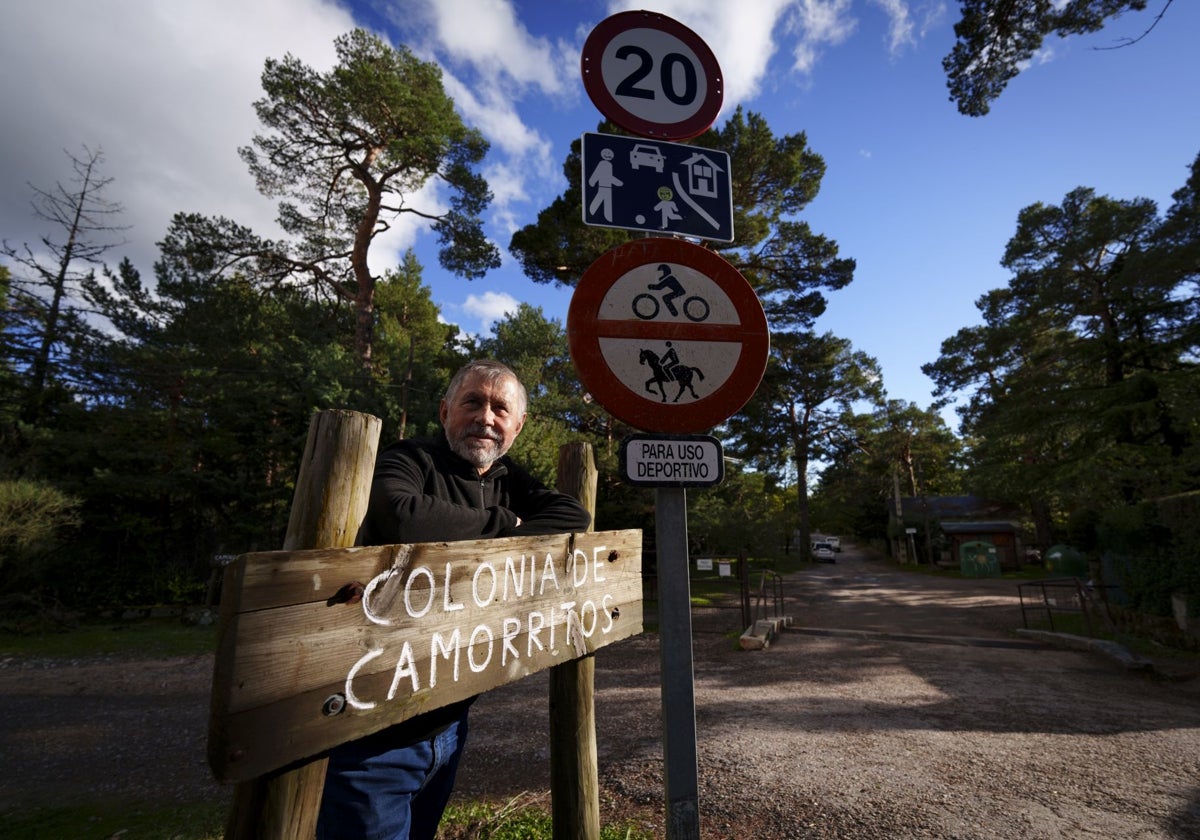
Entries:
{"x":646,"y":306}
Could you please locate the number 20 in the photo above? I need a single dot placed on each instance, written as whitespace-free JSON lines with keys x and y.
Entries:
{"x":629,"y":86}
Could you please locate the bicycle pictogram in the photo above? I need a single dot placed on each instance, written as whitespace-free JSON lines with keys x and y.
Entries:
{"x":646,"y":306}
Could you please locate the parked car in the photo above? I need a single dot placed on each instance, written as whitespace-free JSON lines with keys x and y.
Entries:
{"x":834,"y":542}
{"x":823,"y":552}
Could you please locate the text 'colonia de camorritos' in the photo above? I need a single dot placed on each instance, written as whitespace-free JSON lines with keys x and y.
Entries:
{"x":490,"y":592}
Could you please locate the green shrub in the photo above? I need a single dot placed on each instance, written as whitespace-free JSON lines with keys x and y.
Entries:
{"x":34,"y":518}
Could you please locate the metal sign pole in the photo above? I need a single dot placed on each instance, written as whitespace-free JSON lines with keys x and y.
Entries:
{"x":675,"y":647}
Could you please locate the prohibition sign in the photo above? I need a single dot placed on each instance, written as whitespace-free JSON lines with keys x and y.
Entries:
{"x":652,"y":75}
{"x":667,"y":336}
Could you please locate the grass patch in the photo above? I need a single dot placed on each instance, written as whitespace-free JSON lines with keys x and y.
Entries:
{"x":194,"y":821}
{"x":151,"y":637}
{"x":525,"y":817}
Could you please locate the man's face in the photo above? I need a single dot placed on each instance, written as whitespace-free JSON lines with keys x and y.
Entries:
{"x":483,"y":419}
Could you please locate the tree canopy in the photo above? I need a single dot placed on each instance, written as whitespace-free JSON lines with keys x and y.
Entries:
{"x":1083,"y":381}
{"x":996,"y":39}
{"x":349,"y":150}
{"x":773,"y":180}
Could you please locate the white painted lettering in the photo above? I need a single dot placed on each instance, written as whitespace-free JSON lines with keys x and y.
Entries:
{"x":548,"y":573}
{"x":537,"y":621}
{"x":597,"y":565}
{"x":486,"y":631}
{"x":406,"y":666}
{"x":583,"y":625}
{"x":483,"y":601}
{"x":448,"y":604}
{"x":424,"y":572}
{"x":394,"y":597}
{"x":608,"y":616}
{"x":351,"y":697}
{"x":379,"y":579}
{"x":510,"y":573}
{"x":448,"y":649}
{"x":512,"y":629}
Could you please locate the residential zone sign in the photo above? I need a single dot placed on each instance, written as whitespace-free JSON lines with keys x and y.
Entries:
{"x":655,"y":186}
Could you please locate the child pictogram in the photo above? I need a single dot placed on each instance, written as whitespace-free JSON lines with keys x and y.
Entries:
{"x":666,"y":207}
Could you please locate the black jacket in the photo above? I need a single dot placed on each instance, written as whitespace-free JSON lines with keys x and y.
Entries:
{"x":423,"y":492}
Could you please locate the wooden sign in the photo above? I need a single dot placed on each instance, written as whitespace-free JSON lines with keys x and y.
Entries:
{"x":320,"y":647}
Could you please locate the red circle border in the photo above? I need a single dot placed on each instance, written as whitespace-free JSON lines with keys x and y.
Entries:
{"x":593,"y":81}
{"x":652,"y":415}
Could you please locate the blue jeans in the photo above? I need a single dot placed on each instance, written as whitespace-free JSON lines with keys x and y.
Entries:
{"x":375,"y":790}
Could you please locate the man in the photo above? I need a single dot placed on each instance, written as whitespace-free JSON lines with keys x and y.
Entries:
{"x":394,"y":784}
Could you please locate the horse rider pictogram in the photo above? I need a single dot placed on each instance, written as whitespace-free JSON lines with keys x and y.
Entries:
{"x":668,"y":368}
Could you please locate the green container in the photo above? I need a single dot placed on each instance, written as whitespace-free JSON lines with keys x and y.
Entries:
{"x":1064,"y":561}
{"x":978,"y":559}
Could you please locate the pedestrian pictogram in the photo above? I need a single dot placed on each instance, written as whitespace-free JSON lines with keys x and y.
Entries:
{"x":659,"y":187}
{"x":667,"y":335}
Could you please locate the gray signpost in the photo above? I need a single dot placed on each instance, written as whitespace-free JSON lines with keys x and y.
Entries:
{"x":656,"y":78}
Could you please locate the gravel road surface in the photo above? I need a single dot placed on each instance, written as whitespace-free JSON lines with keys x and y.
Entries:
{"x":897,"y":705}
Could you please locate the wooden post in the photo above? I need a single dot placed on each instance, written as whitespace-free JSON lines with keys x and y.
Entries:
{"x":744,"y":588}
{"x":328,"y":507}
{"x":574,"y":777}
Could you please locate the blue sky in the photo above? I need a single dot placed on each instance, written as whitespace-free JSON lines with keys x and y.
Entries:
{"x":923,"y":198}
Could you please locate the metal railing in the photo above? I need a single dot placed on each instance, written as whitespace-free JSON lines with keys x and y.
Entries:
{"x":770,"y":592}
{"x":1064,"y":595}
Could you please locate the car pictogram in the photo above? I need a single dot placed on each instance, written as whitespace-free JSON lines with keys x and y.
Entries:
{"x":643,"y":155}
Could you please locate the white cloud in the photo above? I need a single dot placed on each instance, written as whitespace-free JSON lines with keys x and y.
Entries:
{"x":487,"y":35}
{"x":739,"y":34}
{"x":900,"y":28}
{"x":489,"y":308}
{"x":818,"y":24}
{"x":164,"y":89}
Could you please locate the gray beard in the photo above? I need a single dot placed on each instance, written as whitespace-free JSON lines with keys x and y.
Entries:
{"x":479,"y":457}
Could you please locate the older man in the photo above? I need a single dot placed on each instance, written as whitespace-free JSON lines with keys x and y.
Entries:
{"x":458,"y":486}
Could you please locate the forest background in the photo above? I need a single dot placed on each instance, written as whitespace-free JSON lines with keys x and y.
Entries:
{"x":149,"y":426}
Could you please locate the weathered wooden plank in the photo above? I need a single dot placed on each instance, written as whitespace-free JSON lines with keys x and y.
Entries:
{"x":574,"y":776}
{"x":438,"y":622}
{"x":328,"y":506}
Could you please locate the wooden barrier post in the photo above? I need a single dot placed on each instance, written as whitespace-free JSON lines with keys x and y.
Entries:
{"x":328,"y":507}
{"x":574,"y":782}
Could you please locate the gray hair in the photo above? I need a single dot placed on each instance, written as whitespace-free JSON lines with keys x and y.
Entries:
{"x":491,"y":372}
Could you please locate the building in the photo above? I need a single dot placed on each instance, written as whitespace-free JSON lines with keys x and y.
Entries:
{"x":952,"y":521}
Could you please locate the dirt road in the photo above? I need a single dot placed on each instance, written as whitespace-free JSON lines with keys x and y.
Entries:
{"x":842,"y":729}
{"x":855,"y":723}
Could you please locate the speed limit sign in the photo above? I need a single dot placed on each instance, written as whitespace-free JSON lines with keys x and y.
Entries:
{"x":652,"y":75}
